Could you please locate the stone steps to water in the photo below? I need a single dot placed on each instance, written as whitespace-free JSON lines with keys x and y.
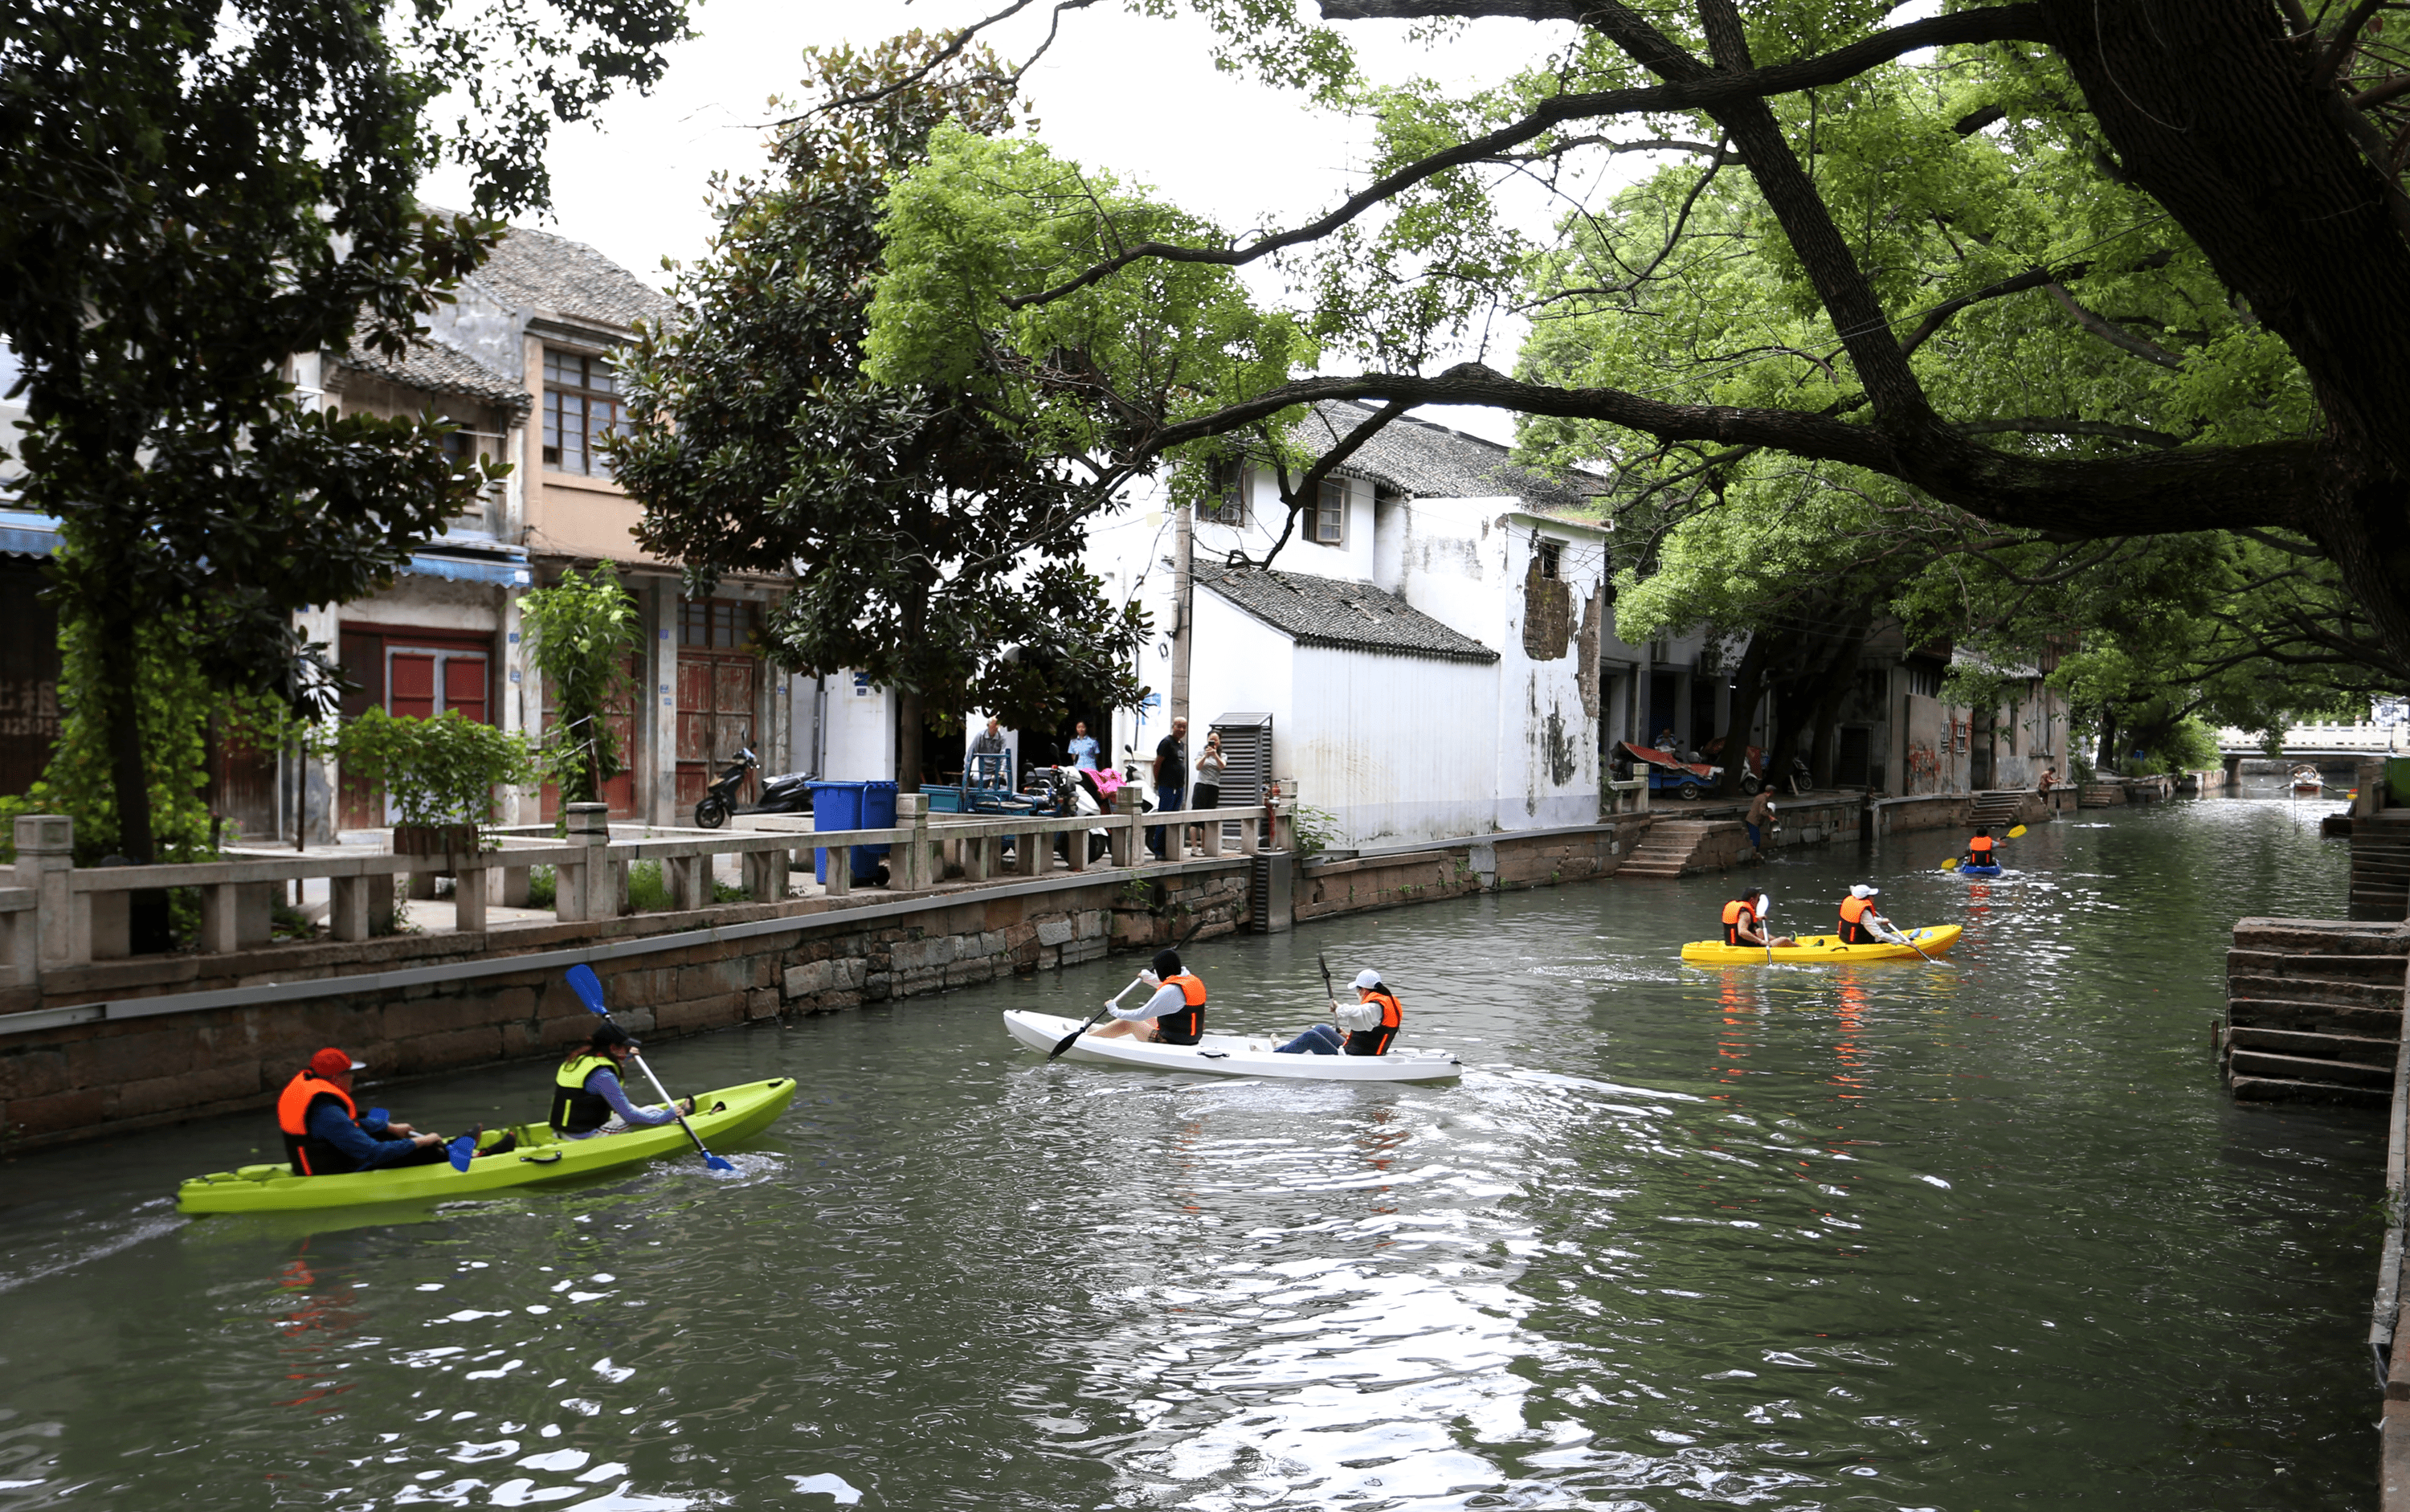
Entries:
{"x":2364,"y":1050}
{"x":2324,"y":1018}
{"x":2242,"y":1062}
{"x":2322,"y":936}
{"x":2378,"y":968}
{"x":2285,"y":1089}
{"x":2311,"y":990}
{"x":2313,"y":1010}
{"x":1667,"y":849}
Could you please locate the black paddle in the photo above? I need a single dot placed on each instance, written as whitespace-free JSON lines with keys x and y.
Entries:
{"x":1073,"y":1038}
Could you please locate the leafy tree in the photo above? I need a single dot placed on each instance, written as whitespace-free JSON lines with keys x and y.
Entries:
{"x":440,"y":771}
{"x":1946,"y":211}
{"x":935,"y":538}
{"x":580,"y":634}
{"x":197,"y":192}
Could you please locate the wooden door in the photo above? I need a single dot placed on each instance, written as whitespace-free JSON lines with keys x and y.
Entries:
{"x":410,"y":685}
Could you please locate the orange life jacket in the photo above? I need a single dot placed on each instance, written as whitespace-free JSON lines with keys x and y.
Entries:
{"x":311,"y":1156}
{"x":1853,"y":910}
{"x":1737,"y":913}
{"x":1981,"y":849}
{"x":1375,"y":1040}
{"x":1187,"y":1026}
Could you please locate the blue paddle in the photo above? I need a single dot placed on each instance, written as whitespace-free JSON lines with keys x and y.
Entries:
{"x":588,"y":988}
{"x":462,"y":1151}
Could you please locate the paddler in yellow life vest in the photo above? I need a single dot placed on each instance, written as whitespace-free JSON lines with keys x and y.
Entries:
{"x":325,"y":1134}
{"x":1175,"y":1015}
{"x":1371,"y":1021}
{"x":1745,"y":921}
{"x":1980,"y":852}
{"x":1860,"y":923}
{"x":588,"y":1098}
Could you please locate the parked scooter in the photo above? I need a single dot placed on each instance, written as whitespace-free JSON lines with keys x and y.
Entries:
{"x":788,"y":794}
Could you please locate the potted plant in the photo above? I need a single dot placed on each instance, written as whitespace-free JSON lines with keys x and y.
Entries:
{"x":440,"y":775}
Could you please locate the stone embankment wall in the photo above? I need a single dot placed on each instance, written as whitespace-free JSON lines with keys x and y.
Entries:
{"x":1490,"y":862}
{"x":403,"y":1004}
{"x":123,"y":1044}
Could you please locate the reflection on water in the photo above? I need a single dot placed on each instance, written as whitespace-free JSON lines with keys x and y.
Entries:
{"x":1876,"y":1237}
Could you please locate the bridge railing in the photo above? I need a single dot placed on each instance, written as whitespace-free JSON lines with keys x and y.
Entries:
{"x":2373,"y":739}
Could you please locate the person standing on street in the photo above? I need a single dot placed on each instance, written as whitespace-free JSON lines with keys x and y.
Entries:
{"x":1207,"y":791}
{"x":1171,"y":778}
{"x":1082,"y":749}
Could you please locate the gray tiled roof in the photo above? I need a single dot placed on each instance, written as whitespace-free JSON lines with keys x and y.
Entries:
{"x":1423,"y":460}
{"x":1324,"y":611}
{"x":433,"y":366}
{"x":536,"y":270}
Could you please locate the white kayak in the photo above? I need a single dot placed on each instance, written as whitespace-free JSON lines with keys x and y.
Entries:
{"x":1230,"y":1055}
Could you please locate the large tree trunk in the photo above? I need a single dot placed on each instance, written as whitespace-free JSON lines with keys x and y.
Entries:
{"x":1748,"y":686}
{"x":129,"y":783}
{"x":1840,"y":676}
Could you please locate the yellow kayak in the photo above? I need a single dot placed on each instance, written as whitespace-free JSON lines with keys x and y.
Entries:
{"x":726,"y":1115}
{"x":1821,"y":950}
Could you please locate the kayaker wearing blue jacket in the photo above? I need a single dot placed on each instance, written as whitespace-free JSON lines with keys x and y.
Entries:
{"x":1173,"y":1015}
{"x":327,"y":1134}
{"x":586,"y":1097}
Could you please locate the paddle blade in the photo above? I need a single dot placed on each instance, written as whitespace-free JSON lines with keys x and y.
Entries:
{"x":1950,"y":864}
{"x":1066,"y":1041}
{"x":2018,"y":833}
{"x":462,"y":1151}
{"x":588,"y":988}
{"x":712,"y":1162}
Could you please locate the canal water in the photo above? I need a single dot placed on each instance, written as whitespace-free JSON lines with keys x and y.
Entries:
{"x":1967,"y":1236}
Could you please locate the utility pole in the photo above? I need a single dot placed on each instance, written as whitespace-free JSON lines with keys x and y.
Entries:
{"x":1183,"y":588}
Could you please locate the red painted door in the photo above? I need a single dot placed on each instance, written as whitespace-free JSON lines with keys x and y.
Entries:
{"x":410,"y":685}
{"x":464,"y":687}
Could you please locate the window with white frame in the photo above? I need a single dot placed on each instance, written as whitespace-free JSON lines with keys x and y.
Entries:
{"x":1328,"y":525}
{"x":581,"y":406}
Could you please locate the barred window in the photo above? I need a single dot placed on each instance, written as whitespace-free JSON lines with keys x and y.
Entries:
{"x":581,"y":406}
{"x":1227,"y":503}
{"x":1331,"y":513}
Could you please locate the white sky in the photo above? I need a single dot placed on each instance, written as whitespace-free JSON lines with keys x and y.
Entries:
{"x":1136,"y":96}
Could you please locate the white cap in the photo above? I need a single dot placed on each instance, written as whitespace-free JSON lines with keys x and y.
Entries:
{"x":1368,"y":978}
{"x":1860,"y":890}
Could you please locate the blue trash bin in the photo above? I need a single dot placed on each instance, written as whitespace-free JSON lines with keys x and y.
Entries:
{"x":852,"y":806}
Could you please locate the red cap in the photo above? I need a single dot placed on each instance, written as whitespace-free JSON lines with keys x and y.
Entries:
{"x":331,"y":1062}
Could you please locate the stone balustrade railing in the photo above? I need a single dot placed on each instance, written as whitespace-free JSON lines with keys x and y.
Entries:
{"x":55,"y":915}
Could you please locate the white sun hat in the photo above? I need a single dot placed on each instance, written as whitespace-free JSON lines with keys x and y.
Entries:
{"x":1860,"y":890}
{"x":1368,"y":977}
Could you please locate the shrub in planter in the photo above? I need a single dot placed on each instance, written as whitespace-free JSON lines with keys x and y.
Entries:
{"x":438,"y":774}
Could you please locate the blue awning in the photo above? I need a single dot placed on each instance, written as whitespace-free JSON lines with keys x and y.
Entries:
{"x":473,"y":570}
{"x":23,"y":533}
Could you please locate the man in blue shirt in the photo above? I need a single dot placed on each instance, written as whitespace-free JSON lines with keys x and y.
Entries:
{"x":327,"y":1134}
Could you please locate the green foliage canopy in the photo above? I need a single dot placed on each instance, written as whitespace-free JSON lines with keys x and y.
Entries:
{"x":936,"y":540}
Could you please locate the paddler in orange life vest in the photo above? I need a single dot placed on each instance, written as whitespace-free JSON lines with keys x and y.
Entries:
{"x":1173,"y":1015}
{"x":1372,"y":1022}
{"x":327,"y":1134}
{"x":1745,"y":921}
{"x":1980,"y":852}
{"x":1860,"y":923}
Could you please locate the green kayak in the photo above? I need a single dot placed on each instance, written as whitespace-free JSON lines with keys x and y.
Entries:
{"x":726,"y":1115}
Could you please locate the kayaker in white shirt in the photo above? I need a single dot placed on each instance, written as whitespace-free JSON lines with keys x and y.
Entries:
{"x":1371,"y":1021}
{"x":1175,"y":1015}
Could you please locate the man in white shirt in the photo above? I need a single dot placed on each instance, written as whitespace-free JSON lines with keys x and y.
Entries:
{"x":1175,"y":1015}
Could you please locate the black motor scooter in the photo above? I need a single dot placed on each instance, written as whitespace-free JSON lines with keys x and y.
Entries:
{"x":788,"y":794}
